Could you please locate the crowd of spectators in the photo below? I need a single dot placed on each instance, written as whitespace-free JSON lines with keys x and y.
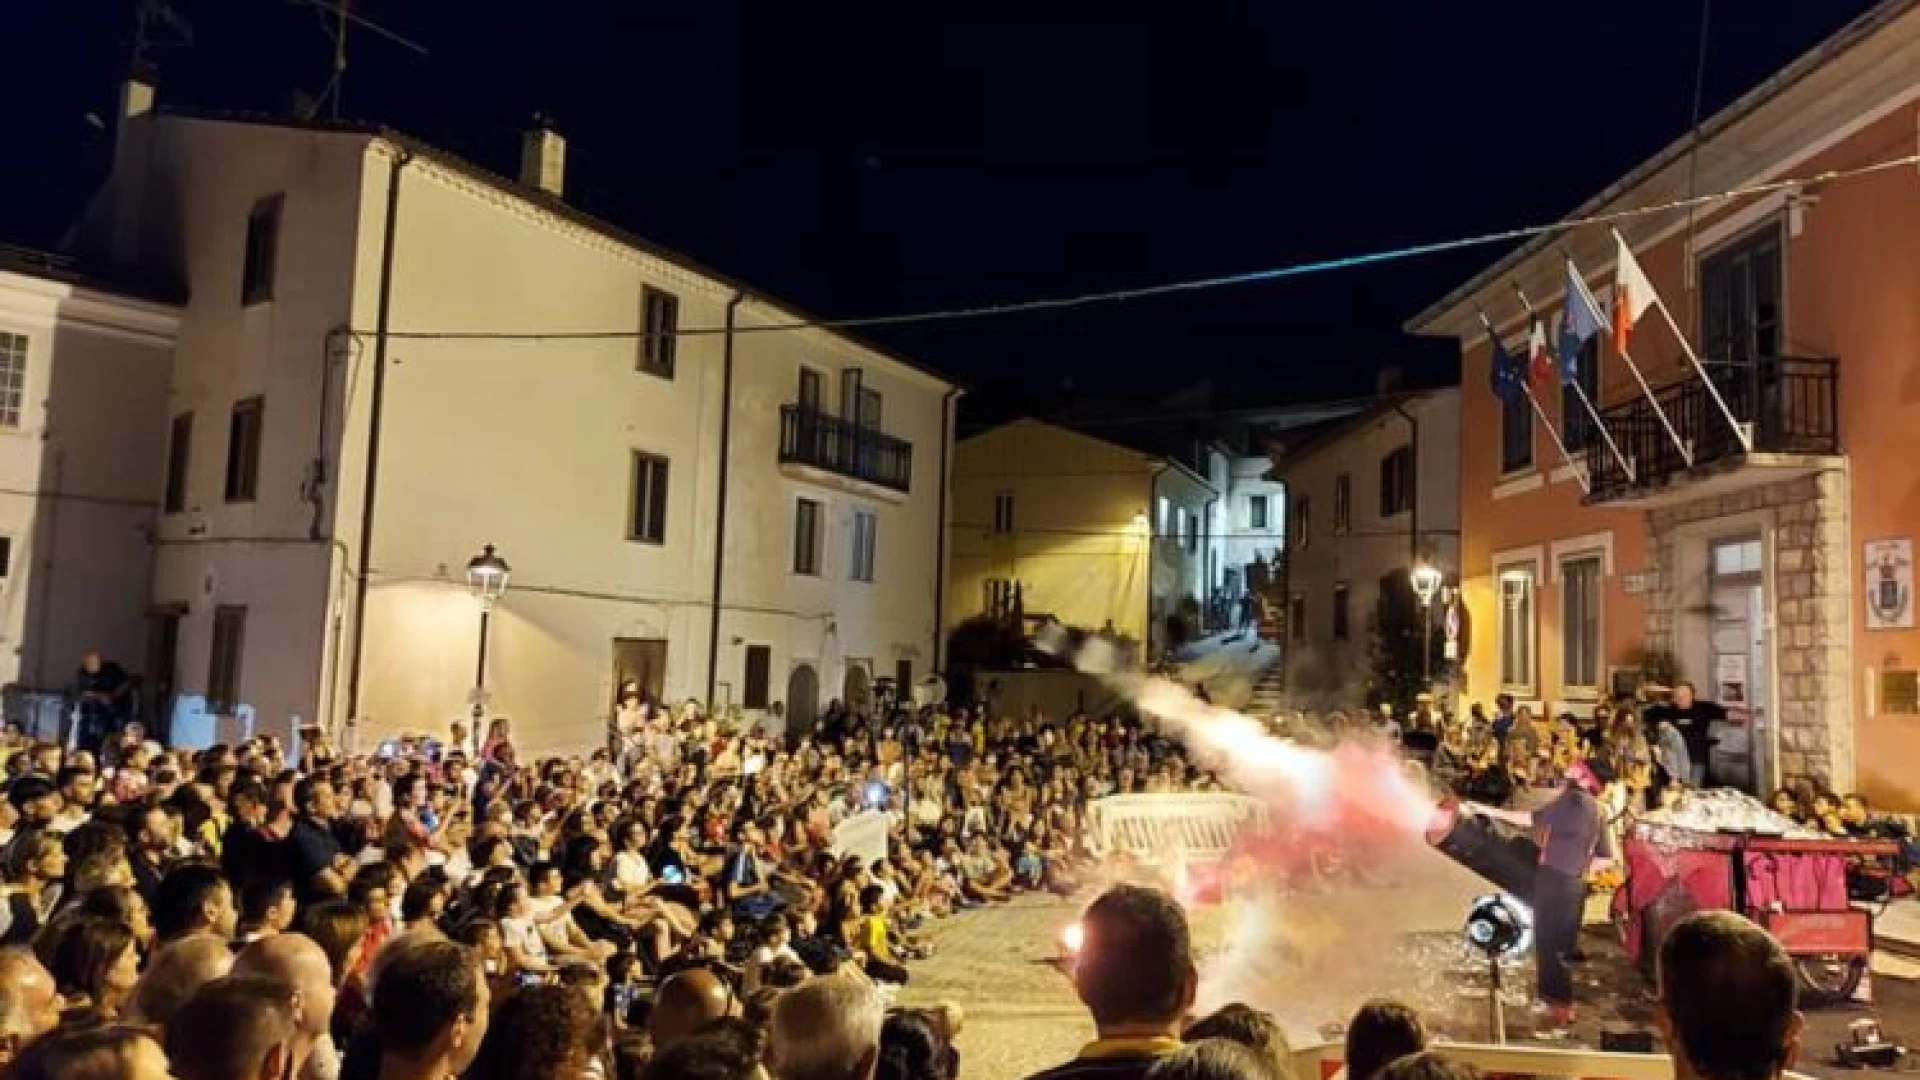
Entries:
{"x":673,"y":905}
{"x":607,"y":906}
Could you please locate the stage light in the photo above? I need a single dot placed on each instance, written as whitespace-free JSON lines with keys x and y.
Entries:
{"x":1499,"y":926}
{"x":876,"y":795}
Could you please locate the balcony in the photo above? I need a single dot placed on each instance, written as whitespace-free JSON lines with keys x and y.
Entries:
{"x":814,"y":443}
{"x":1790,"y":403}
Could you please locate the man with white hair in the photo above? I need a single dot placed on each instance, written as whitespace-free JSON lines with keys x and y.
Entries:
{"x":826,"y":1029}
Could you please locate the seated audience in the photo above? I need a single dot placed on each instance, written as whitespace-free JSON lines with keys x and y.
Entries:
{"x":1382,"y":1031}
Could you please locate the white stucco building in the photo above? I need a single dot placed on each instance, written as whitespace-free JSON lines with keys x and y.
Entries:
{"x":1368,"y":496}
{"x":83,"y":388}
{"x":392,"y":357}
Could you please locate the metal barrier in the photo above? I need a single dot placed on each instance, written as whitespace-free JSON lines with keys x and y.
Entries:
{"x":1197,"y":826}
{"x":1326,"y":1062}
{"x":41,"y":714}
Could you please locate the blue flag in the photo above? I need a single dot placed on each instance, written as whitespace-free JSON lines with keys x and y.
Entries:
{"x":1505,"y":369}
{"x":1578,"y":324}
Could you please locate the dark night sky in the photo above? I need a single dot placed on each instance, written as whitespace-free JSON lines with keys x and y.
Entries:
{"x":861,"y":157}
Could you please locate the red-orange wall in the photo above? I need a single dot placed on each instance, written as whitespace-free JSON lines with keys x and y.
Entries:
{"x":1852,"y":292}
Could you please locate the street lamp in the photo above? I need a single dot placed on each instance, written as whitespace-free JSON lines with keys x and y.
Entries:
{"x":487,"y":575}
{"x":1425,"y":579}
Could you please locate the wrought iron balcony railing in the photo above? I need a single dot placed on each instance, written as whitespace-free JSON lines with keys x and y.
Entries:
{"x":822,"y":441}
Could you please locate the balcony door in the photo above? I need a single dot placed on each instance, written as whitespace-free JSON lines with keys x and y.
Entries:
{"x":1740,"y":331}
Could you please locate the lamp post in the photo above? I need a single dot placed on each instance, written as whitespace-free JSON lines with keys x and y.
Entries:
{"x":1425,"y":578}
{"x":487,"y":575}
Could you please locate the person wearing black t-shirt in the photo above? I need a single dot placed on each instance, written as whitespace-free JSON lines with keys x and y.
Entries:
{"x":319,"y":868}
{"x":1694,"y":719}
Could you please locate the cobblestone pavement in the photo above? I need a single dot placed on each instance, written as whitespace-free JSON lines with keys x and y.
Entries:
{"x":1311,"y":960}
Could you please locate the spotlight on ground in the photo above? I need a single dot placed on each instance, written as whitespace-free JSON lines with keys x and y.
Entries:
{"x":1499,"y":926}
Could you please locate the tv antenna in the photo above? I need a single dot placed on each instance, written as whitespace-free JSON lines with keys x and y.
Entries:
{"x":336,"y":18}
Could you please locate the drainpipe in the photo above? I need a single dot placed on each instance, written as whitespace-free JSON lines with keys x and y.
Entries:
{"x":1413,"y":451}
{"x":940,"y":538}
{"x":1207,"y":562}
{"x":720,"y":512}
{"x":376,"y":406}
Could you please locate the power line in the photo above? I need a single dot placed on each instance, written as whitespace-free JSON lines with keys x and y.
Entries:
{"x":1278,"y":273}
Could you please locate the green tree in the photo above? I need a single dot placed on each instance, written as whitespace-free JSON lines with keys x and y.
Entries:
{"x":1397,"y":635}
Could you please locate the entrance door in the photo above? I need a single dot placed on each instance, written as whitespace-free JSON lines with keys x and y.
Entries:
{"x":803,"y":700}
{"x":1737,"y":652}
{"x":858,"y":693}
{"x":642,"y":661}
{"x":163,"y":657}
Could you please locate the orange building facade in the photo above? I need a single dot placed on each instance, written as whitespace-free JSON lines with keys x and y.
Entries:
{"x":1774,"y":573}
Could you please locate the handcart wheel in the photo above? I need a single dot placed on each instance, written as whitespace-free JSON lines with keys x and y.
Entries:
{"x":1831,"y":977}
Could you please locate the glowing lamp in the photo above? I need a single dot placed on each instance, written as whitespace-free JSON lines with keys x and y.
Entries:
{"x":1425,"y":579}
{"x":876,"y":795}
{"x":487,"y":575}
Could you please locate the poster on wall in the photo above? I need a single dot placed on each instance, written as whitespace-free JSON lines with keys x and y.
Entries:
{"x":1889,"y":586}
{"x":1730,"y":674}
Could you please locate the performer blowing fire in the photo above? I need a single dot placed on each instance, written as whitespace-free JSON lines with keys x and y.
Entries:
{"x":1571,"y":831}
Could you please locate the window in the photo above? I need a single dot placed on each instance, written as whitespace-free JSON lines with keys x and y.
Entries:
{"x":1297,"y":618}
{"x":1396,"y":482}
{"x":179,"y":456}
{"x":223,"y":667}
{"x":263,"y":248}
{"x":13,"y":378}
{"x":1341,"y":626}
{"x":809,"y":390}
{"x":806,"y":537}
{"x":1516,"y":433}
{"x":1580,"y":623}
{"x":1257,"y":511}
{"x":647,"y":505}
{"x":659,"y":329}
{"x":759,"y":668}
{"x":1740,"y":301}
{"x":1302,"y":521}
{"x":865,"y":526}
{"x":243,"y":450}
{"x":868,"y":413}
{"x":1342,"y":504}
{"x":1516,"y":629}
{"x":903,"y":679}
{"x":1003,"y":513}
{"x":6,"y":557}
{"x":1193,"y":532}
{"x":1164,"y":523}
{"x":1576,"y":424}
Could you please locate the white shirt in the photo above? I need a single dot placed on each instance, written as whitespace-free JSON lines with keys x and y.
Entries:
{"x":630,"y":870}
{"x":523,"y":936}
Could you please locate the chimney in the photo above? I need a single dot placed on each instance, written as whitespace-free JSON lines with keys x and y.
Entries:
{"x":543,"y":159}
{"x":136,"y":95}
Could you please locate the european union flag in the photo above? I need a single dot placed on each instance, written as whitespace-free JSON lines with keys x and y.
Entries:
{"x":1578,"y":324}
{"x":1506,"y":374}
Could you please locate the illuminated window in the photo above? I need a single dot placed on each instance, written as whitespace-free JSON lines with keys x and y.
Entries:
{"x":1517,"y":630}
{"x":1580,"y":623}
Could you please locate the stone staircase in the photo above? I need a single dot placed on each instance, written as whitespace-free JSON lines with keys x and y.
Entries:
{"x":1268,"y":691}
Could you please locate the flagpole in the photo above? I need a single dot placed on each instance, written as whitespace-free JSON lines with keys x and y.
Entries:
{"x":1739,"y":429}
{"x":1581,"y":393}
{"x":1579,"y":471}
{"x":1593,"y":306}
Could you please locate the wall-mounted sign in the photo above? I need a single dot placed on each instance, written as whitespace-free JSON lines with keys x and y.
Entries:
{"x":1638,"y":583}
{"x":1889,"y":585}
{"x":1730,"y":675}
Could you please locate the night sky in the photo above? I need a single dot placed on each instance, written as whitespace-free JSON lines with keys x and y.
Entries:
{"x":863,"y":158}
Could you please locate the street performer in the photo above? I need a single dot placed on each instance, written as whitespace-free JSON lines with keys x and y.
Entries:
{"x":1571,"y":831}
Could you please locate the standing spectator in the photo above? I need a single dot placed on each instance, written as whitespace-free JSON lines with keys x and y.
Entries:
{"x":193,"y":898}
{"x":151,"y":848}
{"x":174,"y":972}
{"x":239,"y":1028}
{"x":36,"y":867}
{"x":1380,"y":1032}
{"x":540,"y":1033}
{"x":103,"y":695}
{"x":29,"y":1003}
{"x":1729,"y":1002}
{"x":826,"y":1029}
{"x":296,"y":962}
{"x":320,"y":869}
{"x":111,"y":1052}
{"x":430,"y":1015}
{"x":1212,"y":1059}
{"x":1136,"y":975}
{"x":95,"y":965}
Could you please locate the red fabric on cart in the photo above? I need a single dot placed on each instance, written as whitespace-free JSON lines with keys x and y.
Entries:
{"x":1706,"y":874}
{"x":1795,"y":881}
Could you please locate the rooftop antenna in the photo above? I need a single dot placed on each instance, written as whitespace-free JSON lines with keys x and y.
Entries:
{"x":336,"y":17}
